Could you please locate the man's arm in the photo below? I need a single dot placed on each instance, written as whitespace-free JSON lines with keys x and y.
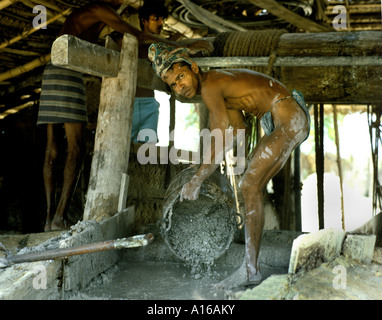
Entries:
{"x":109,"y":16}
{"x":219,"y":121}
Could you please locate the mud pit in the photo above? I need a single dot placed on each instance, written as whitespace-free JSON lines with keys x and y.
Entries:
{"x":149,"y":280}
{"x":157,"y":275}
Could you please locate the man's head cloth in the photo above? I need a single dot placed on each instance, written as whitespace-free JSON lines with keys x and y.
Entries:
{"x":164,"y":56}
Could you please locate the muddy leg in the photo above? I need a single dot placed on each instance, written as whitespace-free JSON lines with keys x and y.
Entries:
{"x":51,"y":154}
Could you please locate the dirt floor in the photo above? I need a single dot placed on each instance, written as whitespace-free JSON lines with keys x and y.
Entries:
{"x":139,"y":279}
{"x":148,"y":280}
{"x":341,"y":279}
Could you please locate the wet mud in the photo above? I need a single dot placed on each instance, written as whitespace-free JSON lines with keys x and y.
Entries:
{"x":200,"y":231}
{"x":149,"y":280}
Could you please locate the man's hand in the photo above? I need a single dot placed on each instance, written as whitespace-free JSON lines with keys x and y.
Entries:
{"x":190,"y":191}
{"x":200,"y":45}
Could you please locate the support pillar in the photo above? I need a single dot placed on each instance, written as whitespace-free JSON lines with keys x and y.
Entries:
{"x":112,"y":140}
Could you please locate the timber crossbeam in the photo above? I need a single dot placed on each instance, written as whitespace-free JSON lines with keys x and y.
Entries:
{"x":328,"y":67}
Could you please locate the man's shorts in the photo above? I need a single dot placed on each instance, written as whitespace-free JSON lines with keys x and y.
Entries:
{"x":145,"y":116}
{"x":267,"y":122}
{"x":63,"y":98}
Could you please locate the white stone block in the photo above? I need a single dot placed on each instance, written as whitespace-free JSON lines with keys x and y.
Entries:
{"x":359,"y":247}
{"x":312,"y":249}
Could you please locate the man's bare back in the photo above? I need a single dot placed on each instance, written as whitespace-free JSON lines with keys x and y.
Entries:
{"x":87,"y":22}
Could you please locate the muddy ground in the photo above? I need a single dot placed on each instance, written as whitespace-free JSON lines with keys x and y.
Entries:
{"x":141,"y":277}
{"x":341,"y":279}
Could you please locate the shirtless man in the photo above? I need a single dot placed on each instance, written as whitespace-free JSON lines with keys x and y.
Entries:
{"x":146,"y":108}
{"x":63,"y":102}
{"x":226,"y":93}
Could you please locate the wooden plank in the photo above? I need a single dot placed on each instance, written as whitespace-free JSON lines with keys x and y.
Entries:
{"x":226,"y":62}
{"x":76,"y":54}
{"x":355,"y":79}
{"x":330,"y":44}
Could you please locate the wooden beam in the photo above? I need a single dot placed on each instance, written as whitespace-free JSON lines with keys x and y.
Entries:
{"x":74,"y":53}
{"x":229,"y":62}
{"x":330,"y":67}
{"x":79,"y":55}
{"x":293,"y":18}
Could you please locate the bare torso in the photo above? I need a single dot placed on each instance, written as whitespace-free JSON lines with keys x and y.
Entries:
{"x":245,"y":90}
{"x":83,"y":24}
{"x":88,"y":21}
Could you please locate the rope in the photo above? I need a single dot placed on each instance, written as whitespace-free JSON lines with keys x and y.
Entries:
{"x":249,"y":44}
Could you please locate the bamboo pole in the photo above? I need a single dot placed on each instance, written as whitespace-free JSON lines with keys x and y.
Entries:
{"x":6,"y":3}
{"x":25,"y":34}
{"x":25,"y":68}
{"x":339,"y":164}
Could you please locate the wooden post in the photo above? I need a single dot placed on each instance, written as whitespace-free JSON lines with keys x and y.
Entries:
{"x":319,"y":141}
{"x":170,"y":170}
{"x":112,"y":140}
{"x":297,"y":188}
{"x":339,"y":164}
